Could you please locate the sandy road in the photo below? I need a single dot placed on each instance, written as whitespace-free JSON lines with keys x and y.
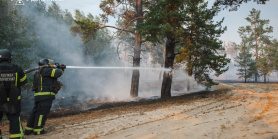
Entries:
{"x":239,"y":114}
{"x":234,"y":111}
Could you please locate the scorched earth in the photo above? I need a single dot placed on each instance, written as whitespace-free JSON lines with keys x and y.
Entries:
{"x":233,"y":110}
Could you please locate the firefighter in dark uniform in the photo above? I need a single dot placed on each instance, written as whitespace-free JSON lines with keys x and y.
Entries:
{"x":11,"y":78}
{"x":45,"y":86}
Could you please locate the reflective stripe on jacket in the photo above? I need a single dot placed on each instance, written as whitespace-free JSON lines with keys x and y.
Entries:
{"x":47,"y":78}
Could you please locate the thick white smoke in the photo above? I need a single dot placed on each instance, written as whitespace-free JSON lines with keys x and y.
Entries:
{"x":82,"y":86}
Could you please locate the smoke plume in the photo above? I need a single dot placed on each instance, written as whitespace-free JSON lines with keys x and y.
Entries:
{"x":82,"y":86}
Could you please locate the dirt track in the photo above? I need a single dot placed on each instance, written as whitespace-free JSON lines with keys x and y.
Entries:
{"x":233,"y":111}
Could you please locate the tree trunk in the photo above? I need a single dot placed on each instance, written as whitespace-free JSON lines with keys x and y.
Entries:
{"x":264,"y":78}
{"x":256,"y":73}
{"x":169,"y":61}
{"x":136,"y":63}
{"x":245,"y":72}
{"x":190,"y":72}
{"x":160,"y":74}
{"x":188,"y":85}
{"x":137,"y":51}
{"x":256,"y":69}
{"x":134,"y":83}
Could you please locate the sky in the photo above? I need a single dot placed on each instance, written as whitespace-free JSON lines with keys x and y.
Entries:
{"x":233,"y":20}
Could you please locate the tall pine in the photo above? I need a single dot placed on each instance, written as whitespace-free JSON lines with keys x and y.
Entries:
{"x":188,"y":24}
{"x":201,"y":44}
{"x":245,"y":62}
{"x":257,"y":36}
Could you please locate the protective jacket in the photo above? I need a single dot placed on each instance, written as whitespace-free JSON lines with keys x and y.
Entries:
{"x":46,"y":84}
{"x":11,"y":78}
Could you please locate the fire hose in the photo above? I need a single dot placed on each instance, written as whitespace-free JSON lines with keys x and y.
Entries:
{"x":57,"y":65}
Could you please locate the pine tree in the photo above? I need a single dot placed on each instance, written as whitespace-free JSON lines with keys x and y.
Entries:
{"x":187,"y":24}
{"x":244,"y":62}
{"x":131,"y":12}
{"x":272,"y":53}
{"x":256,"y":35}
{"x":165,"y":19}
{"x":201,"y":44}
{"x":264,"y":62}
{"x":96,"y":45}
{"x":14,"y":33}
{"x":233,"y":5}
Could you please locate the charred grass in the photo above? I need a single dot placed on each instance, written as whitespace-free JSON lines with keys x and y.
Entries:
{"x":75,"y":115}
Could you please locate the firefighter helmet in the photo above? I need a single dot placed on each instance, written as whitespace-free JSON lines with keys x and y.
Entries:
{"x":45,"y":61}
{"x":5,"y":54}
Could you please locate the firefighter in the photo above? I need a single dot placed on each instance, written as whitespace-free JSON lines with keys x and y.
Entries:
{"x":11,"y":78}
{"x":46,"y":86}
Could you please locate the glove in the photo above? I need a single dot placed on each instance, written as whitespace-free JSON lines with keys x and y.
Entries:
{"x":63,"y":67}
{"x":60,"y":85}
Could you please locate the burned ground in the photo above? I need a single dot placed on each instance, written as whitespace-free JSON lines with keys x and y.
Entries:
{"x":233,"y":110}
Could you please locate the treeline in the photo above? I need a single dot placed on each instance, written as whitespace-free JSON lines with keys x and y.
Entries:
{"x":258,"y":52}
{"x":184,"y":29}
{"x":34,"y":31}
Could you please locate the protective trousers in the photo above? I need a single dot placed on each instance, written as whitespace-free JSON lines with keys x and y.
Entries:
{"x":38,"y":116}
{"x":16,"y":131}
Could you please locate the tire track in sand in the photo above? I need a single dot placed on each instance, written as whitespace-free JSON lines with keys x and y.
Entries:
{"x":214,"y":105}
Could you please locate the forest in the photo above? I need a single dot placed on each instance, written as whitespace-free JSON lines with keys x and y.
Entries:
{"x":140,"y":69}
{"x":164,"y":33}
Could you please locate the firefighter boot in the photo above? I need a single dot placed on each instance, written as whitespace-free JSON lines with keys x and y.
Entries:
{"x":28,"y":132}
{"x":40,"y":132}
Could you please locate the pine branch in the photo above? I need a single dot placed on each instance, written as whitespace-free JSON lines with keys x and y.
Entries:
{"x":131,"y":56}
{"x":116,"y":28}
{"x":129,"y":24}
{"x":118,"y":49}
{"x":177,"y":54}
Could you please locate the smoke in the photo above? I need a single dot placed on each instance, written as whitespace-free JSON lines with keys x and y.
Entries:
{"x":82,"y":86}
{"x":230,"y":74}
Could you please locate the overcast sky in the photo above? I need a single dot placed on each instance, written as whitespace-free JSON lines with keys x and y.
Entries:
{"x":233,"y":20}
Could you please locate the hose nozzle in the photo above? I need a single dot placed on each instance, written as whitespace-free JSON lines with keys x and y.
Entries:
{"x":62,"y":66}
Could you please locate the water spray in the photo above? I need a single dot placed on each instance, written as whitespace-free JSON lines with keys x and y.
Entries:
{"x":127,"y":68}
{"x":62,"y":66}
